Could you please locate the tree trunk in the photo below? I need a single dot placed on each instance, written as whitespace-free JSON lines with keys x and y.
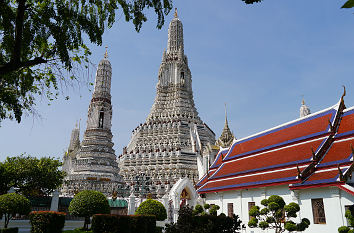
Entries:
{"x":86,"y":223}
{"x":7,"y":219}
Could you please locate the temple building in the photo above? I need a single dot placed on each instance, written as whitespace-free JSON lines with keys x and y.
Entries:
{"x":91,"y":164}
{"x":169,"y":145}
{"x":308,"y":161}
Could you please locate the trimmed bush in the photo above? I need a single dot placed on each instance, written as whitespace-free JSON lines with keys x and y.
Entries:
{"x":152,"y":207}
{"x":187,"y":222}
{"x":47,"y":221}
{"x":12,"y":204}
{"x":343,"y":229}
{"x":9,"y":230}
{"x":87,"y":203}
{"x":159,"y":230}
{"x":103,"y":223}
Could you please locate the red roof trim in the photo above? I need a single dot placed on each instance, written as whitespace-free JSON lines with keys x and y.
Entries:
{"x":345,"y":189}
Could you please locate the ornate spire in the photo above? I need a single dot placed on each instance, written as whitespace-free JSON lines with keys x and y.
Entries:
{"x":103,"y":79}
{"x":106,"y":53}
{"x":75,"y":139}
{"x":304,"y":110}
{"x":226,"y":138}
{"x":173,"y":128}
{"x":226,"y":123}
{"x":175,"y":35}
{"x":176,"y":15}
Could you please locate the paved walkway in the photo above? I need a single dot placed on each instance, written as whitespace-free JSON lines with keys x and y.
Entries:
{"x":25,"y":227}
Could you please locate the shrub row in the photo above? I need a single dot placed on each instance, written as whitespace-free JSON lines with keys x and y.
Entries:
{"x":109,"y":223}
{"x":219,"y":223}
{"x":47,"y":221}
{"x":9,"y":230}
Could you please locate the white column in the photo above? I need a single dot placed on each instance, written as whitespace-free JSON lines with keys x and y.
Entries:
{"x":336,"y":195}
{"x":165,"y":201}
{"x":295,"y":196}
{"x":131,"y":204}
{"x":221,"y":198}
{"x":55,"y":201}
{"x":176,"y":201}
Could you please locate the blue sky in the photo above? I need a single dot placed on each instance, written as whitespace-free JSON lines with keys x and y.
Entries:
{"x":259,"y":59}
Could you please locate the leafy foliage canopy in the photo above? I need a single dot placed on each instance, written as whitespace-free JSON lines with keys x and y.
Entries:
{"x":31,"y":176}
{"x":42,"y":45}
{"x":152,"y":207}
{"x":277,"y":215}
{"x":347,"y":4}
{"x":12,"y":204}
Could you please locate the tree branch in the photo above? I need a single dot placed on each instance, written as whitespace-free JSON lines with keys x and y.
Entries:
{"x":12,"y":66}
{"x":20,"y":15}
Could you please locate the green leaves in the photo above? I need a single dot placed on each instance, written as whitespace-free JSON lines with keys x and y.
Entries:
{"x":214,"y":209}
{"x":198,"y":209}
{"x":5,"y":180}
{"x":87,"y":203}
{"x":292,"y":209}
{"x":12,"y":204}
{"x":276,"y":215}
{"x":32,"y":176}
{"x":152,"y":207}
{"x":277,"y":199}
{"x":348,"y":4}
{"x":254,"y":211}
{"x":50,"y":47}
{"x":263,"y":225}
{"x":253,"y":222}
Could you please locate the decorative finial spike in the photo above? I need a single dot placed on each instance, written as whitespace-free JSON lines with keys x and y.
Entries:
{"x":344,"y":93}
{"x":298,"y":171}
{"x":106,"y":53}
{"x":176,"y":15}
{"x":303,"y":100}
{"x":225,"y":114}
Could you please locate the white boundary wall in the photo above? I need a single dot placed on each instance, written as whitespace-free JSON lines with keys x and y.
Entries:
{"x":334,"y":200}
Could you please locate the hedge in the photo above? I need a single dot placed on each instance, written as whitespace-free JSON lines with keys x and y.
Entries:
{"x":110,"y":223}
{"x":47,"y":221}
{"x":77,"y":230}
{"x":9,"y":230}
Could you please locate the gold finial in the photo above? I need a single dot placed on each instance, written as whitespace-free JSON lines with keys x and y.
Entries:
{"x":303,"y":100}
{"x":176,"y":16}
{"x":106,"y":53}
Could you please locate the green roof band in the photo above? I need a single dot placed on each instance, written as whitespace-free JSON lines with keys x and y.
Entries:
{"x":118,"y":203}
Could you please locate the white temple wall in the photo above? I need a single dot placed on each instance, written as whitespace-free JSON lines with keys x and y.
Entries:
{"x":334,"y":201}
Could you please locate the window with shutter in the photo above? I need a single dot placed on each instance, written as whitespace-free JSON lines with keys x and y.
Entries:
{"x":318,"y":211}
{"x":230,"y":209}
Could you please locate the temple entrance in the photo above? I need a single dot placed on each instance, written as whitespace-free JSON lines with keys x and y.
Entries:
{"x":182,"y":193}
{"x":184,"y":197}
